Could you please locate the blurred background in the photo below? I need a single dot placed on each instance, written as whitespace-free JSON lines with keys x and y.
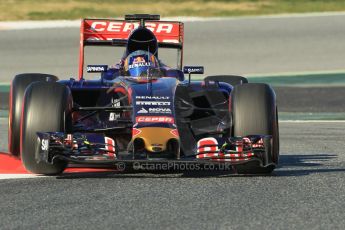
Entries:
{"x":297,"y":46}
{"x":14,"y":10}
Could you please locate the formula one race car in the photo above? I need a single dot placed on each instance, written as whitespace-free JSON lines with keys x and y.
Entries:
{"x":141,"y":111}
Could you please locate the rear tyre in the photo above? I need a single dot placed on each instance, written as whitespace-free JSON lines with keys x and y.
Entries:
{"x":254,"y":112}
{"x":47,"y":108}
{"x":18,"y":86}
{"x":230,"y":79}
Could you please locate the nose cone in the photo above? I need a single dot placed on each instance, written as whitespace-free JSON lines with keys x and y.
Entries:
{"x":156,"y":138}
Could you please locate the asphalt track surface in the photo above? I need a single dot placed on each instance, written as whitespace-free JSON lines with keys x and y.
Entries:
{"x":307,"y":191}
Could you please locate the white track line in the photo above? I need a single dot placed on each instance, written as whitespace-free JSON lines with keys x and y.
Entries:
{"x":27,"y":25}
{"x":312,"y":121}
{"x":296,"y":74}
{"x":18,"y":176}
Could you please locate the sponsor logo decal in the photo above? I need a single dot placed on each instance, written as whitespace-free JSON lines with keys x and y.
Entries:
{"x":193,"y":69}
{"x":143,"y":110}
{"x":152,"y":97}
{"x":96,"y":68}
{"x":106,"y":26}
{"x":160,"y":103}
{"x":154,"y":119}
{"x":45,"y":144}
{"x":115,"y":103}
{"x":139,"y":62}
{"x":114,"y":116}
{"x":160,"y":110}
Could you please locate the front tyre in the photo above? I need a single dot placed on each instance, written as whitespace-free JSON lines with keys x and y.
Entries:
{"x":47,"y":108}
{"x":18,"y":87}
{"x":254,"y":112}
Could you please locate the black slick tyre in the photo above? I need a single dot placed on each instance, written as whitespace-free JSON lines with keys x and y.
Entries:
{"x":47,"y":108}
{"x":254,"y":112}
{"x":18,"y":87}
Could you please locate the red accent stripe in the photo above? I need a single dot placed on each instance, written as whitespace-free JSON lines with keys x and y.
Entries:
{"x":231,"y":160}
{"x":230,"y":104}
{"x":135,"y":132}
{"x":227,"y":156}
{"x":10,"y":121}
{"x":182,"y":42}
{"x":175,"y":133}
{"x":81,"y":50}
{"x":69,"y":139}
{"x":21,"y":126}
{"x":120,"y":90}
{"x":12,"y":165}
{"x":129,"y":95}
{"x":124,"y":92}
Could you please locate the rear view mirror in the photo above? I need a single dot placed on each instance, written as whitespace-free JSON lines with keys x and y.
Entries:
{"x":193,"y":69}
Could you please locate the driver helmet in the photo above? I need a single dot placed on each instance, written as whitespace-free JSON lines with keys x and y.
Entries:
{"x":138,"y":63}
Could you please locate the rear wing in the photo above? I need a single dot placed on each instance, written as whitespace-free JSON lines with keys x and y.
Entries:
{"x":112,"y":32}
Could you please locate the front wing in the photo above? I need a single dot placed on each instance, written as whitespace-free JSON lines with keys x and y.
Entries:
{"x":78,"y":149}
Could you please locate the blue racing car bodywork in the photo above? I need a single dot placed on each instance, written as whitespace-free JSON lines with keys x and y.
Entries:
{"x":158,"y":117}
